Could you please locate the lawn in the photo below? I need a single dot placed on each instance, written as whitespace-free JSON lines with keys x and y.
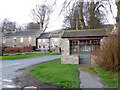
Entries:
{"x":63,"y":75}
{"x":11,"y":57}
{"x":109,"y":78}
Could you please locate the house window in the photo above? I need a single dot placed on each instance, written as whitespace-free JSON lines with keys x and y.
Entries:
{"x":29,"y":39}
{"x":39,"y":40}
{"x":95,"y":42}
{"x":43,"y":40}
{"x":14,"y":45}
{"x":73,"y":47}
{"x":55,"y":39}
{"x":14,"y":40}
{"x":84,"y":42}
{"x":29,"y":45}
{"x":4,"y":41}
{"x":21,"y":39}
{"x":39,"y":46}
{"x":43,"y":46}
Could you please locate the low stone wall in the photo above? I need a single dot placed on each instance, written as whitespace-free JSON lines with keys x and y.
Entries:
{"x":71,"y":59}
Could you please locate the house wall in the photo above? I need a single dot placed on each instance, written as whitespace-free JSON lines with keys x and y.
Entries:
{"x":66,"y":58}
{"x":26,"y":41}
{"x":53,"y":42}
{"x":43,"y":44}
{"x":9,"y":41}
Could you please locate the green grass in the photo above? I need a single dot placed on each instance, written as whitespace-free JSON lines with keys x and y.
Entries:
{"x":109,"y":78}
{"x":25,"y":56}
{"x":63,"y":75}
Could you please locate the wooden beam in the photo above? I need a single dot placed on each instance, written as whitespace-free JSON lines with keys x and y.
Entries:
{"x":90,"y":50}
{"x":85,"y":38}
{"x":79,"y":50}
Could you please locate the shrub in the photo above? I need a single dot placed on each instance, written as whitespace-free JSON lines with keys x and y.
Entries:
{"x":107,"y":56}
{"x":34,"y":48}
{"x":3,"y":48}
{"x":18,"y":49}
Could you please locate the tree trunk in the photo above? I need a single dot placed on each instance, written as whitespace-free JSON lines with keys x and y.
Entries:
{"x":118,"y":16}
{"x":118,"y":27}
{"x":81,"y":19}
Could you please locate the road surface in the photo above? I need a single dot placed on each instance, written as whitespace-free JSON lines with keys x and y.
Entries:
{"x":8,"y":68}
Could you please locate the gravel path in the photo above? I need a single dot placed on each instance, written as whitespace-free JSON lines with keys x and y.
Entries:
{"x":89,"y":80}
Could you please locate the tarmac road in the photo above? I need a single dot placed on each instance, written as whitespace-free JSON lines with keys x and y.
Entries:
{"x":8,"y":68}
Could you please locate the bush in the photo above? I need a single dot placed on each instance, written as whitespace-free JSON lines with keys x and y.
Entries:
{"x":3,"y":48}
{"x":34,"y":48}
{"x":107,"y":56}
{"x":18,"y":49}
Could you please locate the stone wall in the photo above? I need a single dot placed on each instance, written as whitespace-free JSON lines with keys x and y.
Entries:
{"x":53,"y":42}
{"x":43,"y":44}
{"x":66,"y":58}
{"x":9,"y":41}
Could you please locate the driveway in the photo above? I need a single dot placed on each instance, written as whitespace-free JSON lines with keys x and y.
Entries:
{"x":9,"y":68}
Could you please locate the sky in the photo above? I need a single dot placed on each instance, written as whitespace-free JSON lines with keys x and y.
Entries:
{"x":20,"y":11}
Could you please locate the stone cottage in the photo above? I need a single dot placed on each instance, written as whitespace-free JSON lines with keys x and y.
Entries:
{"x":77,"y":46}
{"x":43,"y":42}
{"x":20,"y":38}
{"x":49,"y":41}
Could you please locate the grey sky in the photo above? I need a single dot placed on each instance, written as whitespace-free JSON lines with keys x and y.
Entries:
{"x":20,"y":11}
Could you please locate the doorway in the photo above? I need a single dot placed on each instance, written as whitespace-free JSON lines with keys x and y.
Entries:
{"x":84,"y":52}
{"x":86,"y":49}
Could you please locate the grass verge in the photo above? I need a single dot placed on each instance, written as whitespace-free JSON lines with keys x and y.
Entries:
{"x":110,"y":79}
{"x":25,"y":55}
{"x":58,"y":74}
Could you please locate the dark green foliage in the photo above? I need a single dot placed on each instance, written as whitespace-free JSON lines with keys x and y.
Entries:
{"x":34,"y":48}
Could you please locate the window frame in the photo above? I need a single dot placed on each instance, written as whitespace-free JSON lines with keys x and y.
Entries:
{"x":14,"y":40}
{"x":73,"y":47}
{"x":21,"y":39}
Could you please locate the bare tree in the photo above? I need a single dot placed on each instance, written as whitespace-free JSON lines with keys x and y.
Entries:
{"x":74,"y":16}
{"x":83,"y":15}
{"x":118,"y":24}
{"x":41,"y":14}
{"x":118,"y":14}
{"x":33,"y":25}
{"x":22,"y":27}
{"x":8,"y":25}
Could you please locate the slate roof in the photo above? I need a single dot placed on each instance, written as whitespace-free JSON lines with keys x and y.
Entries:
{"x":51,"y":34}
{"x":83,"y":33}
{"x":54,"y":35}
{"x":44,"y":35}
{"x":21,"y":33}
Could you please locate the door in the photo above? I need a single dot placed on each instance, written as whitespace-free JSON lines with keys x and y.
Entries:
{"x":85,"y":52}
